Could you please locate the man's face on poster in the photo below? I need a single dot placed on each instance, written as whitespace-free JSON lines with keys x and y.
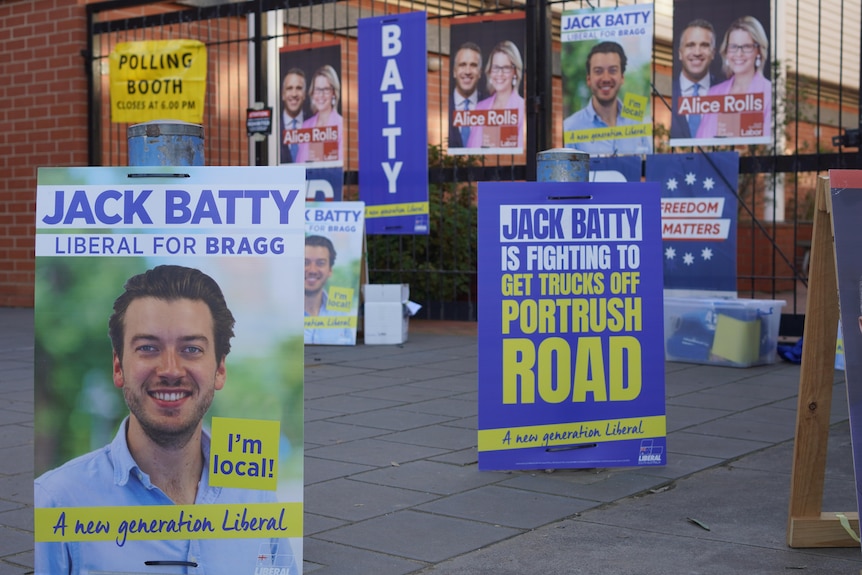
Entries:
{"x":605,"y":77}
{"x":169,"y":372}
{"x":696,"y":52}
{"x":317,"y":268}
{"x":468,"y":71}
{"x":293,"y":94}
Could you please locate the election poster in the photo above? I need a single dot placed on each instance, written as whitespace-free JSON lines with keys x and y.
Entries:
{"x":699,"y":222}
{"x":722,"y":81}
{"x":169,"y":389}
{"x":486,"y":85}
{"x":846,"y":196}
{"x":606,"y":61}
{"x":334,"y":236}
{"x":615,"y":169}
{"x":571,"y":346}
{"x":310,"y":125}
{"x":393,"y":165}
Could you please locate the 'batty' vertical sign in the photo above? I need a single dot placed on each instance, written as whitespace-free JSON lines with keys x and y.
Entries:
{"x":393,"y":138}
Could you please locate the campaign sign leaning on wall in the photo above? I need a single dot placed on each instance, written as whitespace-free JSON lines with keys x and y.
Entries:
{"x":158,"y":80}
{"x":334,"y":232}
{"x":571,"y":346}
{"x":178,"y":440}
{"x":846,"y":195}
{"x":393,"y":136}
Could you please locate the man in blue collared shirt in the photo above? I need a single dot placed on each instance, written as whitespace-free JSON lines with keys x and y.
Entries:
{"x":170,"y":331}
{"x":606,"y":67}
{"x":319,"y":259}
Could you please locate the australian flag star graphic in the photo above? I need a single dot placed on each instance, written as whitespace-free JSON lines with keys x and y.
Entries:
{"x":699,"y":211}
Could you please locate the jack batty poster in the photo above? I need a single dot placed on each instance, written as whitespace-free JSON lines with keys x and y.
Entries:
{"x":571,"y":346}
{"x":334,"y":236}
{"x":169,"y":392}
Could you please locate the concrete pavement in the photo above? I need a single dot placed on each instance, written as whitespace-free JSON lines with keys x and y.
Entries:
{"x":392,"y":485}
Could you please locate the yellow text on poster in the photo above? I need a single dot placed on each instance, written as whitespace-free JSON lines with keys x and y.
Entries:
{"x":163,"y":522}
{"x":244,"y":453}
{"x":340,"y":299}
{"x":158,"y":80}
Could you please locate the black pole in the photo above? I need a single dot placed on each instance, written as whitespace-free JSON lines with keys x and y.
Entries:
{"x":261,"y":155}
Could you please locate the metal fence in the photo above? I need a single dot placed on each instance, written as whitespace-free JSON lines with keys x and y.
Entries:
{"x":818,"y":90}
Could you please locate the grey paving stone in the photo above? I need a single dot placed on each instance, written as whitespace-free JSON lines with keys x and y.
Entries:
{"x":419,"y":536}
{"x":344,"y":404}
{"x":408,"y":392}
{"x":680,"y":417}
{"x":14,"y":541}
{"x":317,"y":470}
{"x":312,"y":524}
{"x":683,"y":442}
{"x":454,"y":407}
{"x":392,"y":419}
{"x":441,"y":435}
{"x":357,"y":500}
{"x":463,"y":457}
{"x":429,"y":476}
{"x":741,"y":426}
{"x":20,"y":518}
{"x":374,"y":452}
{"x":326,"y":558}
{"x":605,"y":486}
{"x":327,"y":432}
{"x":13,"y":434}
{"x":507,"y":506}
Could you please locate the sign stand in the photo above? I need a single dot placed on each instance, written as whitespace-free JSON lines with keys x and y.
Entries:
{"x":807,"y":525}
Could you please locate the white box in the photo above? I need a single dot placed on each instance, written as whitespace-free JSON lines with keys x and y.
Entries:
{"x":386,"y":315}
{"x":731,"y":332}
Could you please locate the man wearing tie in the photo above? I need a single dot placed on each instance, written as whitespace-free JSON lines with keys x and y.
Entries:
{"x":467,"y":72}
{"x":293,"y":98}
{"x":696,"y":53}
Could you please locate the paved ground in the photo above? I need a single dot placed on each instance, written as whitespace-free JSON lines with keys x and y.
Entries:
{"x":392,"y":486}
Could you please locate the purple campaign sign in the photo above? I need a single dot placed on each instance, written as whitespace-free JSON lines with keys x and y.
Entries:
{"x":393,"y":128}
{"x":571,"y":346}
{"x":699,"y":206}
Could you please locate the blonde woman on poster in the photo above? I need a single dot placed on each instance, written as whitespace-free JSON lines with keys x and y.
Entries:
{"x":323,"y":92}
{"x":744,"y":52}
{"x":505,"y":71}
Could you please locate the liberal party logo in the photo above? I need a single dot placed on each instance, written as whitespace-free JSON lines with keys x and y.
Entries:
{"x":274,"y":559}
{"x":650,"y":454}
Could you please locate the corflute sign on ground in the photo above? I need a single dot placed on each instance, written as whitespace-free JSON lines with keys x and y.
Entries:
{"x":571,"y":348}
{"x":168,"y":328}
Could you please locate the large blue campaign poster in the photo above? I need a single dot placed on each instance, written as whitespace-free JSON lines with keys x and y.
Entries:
{"x":571,"y":346}
{"x":169,"y":395}
{"x":699,"y":213}
{"x":393,"y":137}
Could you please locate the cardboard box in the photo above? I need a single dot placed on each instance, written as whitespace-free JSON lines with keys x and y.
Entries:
{"x":731,"y":332}
{"x":386,"y":314}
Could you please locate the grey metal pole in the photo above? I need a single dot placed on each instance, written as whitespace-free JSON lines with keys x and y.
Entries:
{"x":562,"y":165}
{"x":166,"y":143}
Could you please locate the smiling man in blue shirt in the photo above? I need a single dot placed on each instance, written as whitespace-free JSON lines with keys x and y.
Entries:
{"x":606,"y":68}
{"x":171,"y":332}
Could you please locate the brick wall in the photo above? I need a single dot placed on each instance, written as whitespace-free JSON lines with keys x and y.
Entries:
{"x":44,"y":114}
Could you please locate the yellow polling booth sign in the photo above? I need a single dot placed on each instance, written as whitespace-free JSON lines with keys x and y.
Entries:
{"x":158,"y":80}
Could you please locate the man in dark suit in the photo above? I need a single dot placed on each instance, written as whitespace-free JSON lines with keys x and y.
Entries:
{"x":467,"y":73}
{"x":696,"y":53}
{"x":293,"y":98}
